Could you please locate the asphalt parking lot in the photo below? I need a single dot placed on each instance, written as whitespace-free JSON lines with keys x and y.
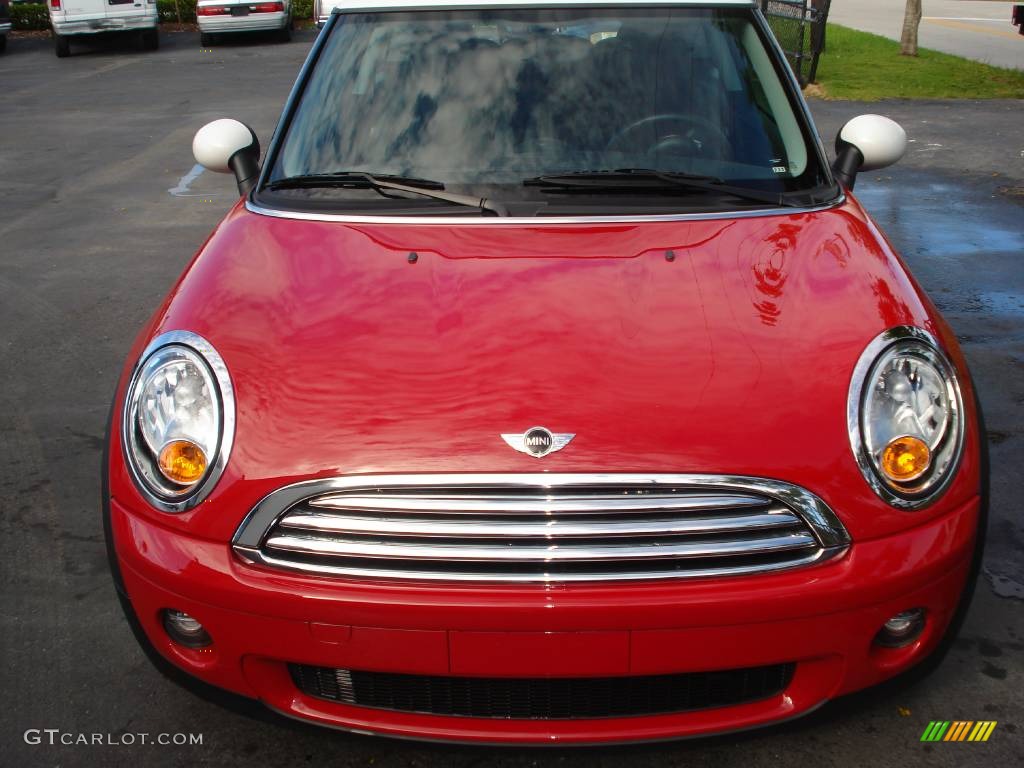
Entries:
{"x":101,"y":208}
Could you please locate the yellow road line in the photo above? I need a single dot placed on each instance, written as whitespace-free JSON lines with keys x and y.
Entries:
{"x":973,"y":28}
{"x":986,"y":19}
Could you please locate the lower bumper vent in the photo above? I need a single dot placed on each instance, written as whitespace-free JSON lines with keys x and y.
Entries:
{"x":559,"y":698}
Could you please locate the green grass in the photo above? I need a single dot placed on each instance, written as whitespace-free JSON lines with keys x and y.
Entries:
{"x":862,"y":66}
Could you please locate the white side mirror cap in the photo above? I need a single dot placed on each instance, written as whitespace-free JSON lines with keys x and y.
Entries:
{"x":879,"y":140}
{"x":217,"y":142}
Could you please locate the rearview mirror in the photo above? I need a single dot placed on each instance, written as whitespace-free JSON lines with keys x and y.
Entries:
{"x":866,"y":143}
{"x":228,"y":146}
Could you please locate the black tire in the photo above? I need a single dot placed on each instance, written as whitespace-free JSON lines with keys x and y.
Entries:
{"x":205,"y":39}
{"x":150,"y":39}
{"x":61,"y":45}
{"x":3,"y":43}
{"x":285,"y":35}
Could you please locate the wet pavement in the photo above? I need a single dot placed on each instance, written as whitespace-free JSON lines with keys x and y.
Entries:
{"x":954,"y":208}
{"x":91,"y":237}
{"x":969,"y":258}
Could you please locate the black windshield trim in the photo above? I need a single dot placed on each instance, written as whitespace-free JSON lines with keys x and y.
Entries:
{"x":453,"y":216}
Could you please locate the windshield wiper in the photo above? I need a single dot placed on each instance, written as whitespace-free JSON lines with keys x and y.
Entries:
{"x":629,"y":179}
{"x":384,"y":183}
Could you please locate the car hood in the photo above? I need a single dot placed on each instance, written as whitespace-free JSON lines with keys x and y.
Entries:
{"x":713,"y":346}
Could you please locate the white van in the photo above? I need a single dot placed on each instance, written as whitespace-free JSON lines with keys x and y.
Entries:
{"x":71,"y":18}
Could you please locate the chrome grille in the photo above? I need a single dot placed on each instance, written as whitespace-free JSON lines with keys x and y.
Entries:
{"x":544,"y":528}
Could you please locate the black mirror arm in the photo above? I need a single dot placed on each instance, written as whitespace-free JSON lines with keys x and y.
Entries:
{"x":245,"y":164}
{"x":848,"y":162}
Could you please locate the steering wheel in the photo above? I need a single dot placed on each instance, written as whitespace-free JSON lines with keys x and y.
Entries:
{"x":696,"y":133}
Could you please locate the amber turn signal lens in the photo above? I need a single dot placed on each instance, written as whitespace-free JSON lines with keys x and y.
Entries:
{"x":905,"y":459}
{"x":182,"y":462}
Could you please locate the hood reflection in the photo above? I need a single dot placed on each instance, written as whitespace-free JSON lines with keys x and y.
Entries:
{"x":355,"y":360}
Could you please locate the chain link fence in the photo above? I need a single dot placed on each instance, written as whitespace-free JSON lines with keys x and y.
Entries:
{"x":799,"y":26}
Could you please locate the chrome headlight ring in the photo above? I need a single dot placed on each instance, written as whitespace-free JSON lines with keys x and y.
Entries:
{"x":216,"y":422}
{"x":944,"y":432}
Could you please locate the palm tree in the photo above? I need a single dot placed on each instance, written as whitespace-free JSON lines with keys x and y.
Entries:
{"x":911,"y":21}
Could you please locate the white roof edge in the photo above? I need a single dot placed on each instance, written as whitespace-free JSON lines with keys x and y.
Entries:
{"x":352,"y":6}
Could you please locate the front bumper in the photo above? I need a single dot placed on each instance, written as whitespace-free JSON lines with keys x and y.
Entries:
{"x":823,"y":618}
{"x":254,"y":22}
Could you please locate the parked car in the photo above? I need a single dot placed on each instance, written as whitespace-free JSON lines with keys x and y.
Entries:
{"x":322,"y":10}
{"x":219,"y":16}
{"x":5,"y":24}
{"x":76,"y":19}
{"x":545,"y":385}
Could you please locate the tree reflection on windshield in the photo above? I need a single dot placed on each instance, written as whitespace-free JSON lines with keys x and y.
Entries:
{"x":492,"y":97}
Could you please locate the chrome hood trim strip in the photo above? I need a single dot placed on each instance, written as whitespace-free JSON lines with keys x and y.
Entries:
{"x":534,"y":221}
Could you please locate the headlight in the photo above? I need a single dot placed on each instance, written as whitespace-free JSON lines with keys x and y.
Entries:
{"x":905,"y":417}
{"x":178,"y":421}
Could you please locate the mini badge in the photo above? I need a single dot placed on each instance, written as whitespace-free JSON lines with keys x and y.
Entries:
{"x":539,"y":441}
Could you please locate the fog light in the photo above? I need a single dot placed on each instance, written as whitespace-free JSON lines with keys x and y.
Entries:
{"x":902,"y":629}
{"x":185,"y":630}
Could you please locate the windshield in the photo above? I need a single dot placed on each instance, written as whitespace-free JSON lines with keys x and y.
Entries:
{"x":483,"y":101}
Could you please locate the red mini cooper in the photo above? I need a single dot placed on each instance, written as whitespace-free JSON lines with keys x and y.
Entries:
{"x":545,"y":385}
